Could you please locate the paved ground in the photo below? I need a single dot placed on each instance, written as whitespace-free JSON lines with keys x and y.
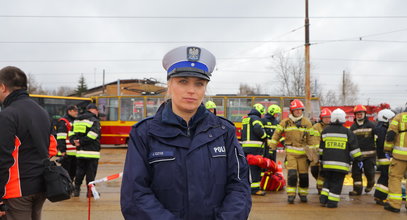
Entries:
{"x":272,"y":206}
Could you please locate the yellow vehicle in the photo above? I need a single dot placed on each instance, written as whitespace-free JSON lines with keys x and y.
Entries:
{"x":121,"y":112}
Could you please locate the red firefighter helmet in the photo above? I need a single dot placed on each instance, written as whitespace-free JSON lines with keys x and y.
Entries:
{"x":359,"y":108}
{"x":325,"y":112}
{"x":296,"y":104}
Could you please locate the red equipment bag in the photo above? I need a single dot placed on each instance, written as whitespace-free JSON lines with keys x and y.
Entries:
{"x":272,"y":182}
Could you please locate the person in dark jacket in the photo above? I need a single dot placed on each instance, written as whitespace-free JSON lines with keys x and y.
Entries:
{"x":66,"y":150}
{"x":363,"y":129}
{"x":338,"y":146}
{"x":270,"y":122}
{"x":253,"y":139}
{"x":384,"y":117}
{"x":86,"y":138}
{"x":185,"y":162}
{"x":25,"y":130}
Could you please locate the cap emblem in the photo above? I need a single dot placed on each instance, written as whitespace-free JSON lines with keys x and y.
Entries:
{"x":193,"y":53}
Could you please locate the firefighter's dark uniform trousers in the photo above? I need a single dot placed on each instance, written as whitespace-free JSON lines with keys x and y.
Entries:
{"x":369,"y":171}
{"x":382,"y":183}
{"x":332,"y":188}
{"x":253,"y":135}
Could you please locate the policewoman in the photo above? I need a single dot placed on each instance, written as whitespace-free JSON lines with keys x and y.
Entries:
{"x":184,"y":162}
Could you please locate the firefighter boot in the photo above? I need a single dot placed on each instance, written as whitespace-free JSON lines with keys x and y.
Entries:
{"x":388,"y":207}
{"x":291,"y":199}
{"x":76,"y":191}
{"x":259,"y":193}
{"x":357,"y":191}
{"x":303,"y":199}
{"x":369,"y":187}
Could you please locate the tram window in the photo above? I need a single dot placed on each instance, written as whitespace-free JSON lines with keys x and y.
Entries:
{"x":237,"y":108}
{"x":109,"y":107}
{"x":131,"y":109}
{"x":152,"y":105}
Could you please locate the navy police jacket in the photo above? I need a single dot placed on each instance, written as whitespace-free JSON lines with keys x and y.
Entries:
{"x":175,"y":171}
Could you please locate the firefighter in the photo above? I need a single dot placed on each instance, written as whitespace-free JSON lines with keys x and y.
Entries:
{"x":383,"y":161}
{"x":396,"y":143}
{"x":298,"y":130}
{"x":65,"y":149}
{"x":338,"y":145}
{"x":270,"y":122}
{"x":253,"y":137}
{"x":363,"y":129}
{"x":86,"y":138}
{"x":325,"y":117}
{"x":211,"y":106}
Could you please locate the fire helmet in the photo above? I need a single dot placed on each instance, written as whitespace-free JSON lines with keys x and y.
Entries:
{"x":385,"y":115}
{"x":338,"y":116}
{"x":296,"y":104}
{"x":359,"y":108}
{"x":210,"y":105}
{"x":260,"y":108}
{"x":274,"y":109}
{"x":325,"y":112}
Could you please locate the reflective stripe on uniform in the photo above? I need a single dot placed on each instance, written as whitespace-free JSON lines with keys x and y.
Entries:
{"x":255,"y":185}
{"x":334,"y":197}
{"x":400,"y":150}
{"x":71,"y":133}
{"x":303,"y":191}
{"x":369,"y":153}
{"x":325,"y":192}
{"x":252,"y":144}
{"x":402,"y":134}
{"x":383,"y":161}
{"x":382,"y":188}
{"x":61,"y":135}
{"x":356,"y":153}
{"x":258,"y":122}
{"x":394,"y":196}
{"x":338,"y":135}
{"x":291,"y":190}
{"x":88,"y":154}
{"x":357,"y":183}
{"x":79,"y":126}
{"x":296,"y":150}
{"x":394,"y":122}
{"x":92,"y":135}
{"x":335,"y":165}
{"x":279,"y":128}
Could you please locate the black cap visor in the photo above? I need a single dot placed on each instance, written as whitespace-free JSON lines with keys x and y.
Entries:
{"x":189,"y":72}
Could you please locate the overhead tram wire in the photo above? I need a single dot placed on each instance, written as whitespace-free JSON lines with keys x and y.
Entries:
{"x":199,"y":17}
{"x":221,"y":58}
{"x":147,"y":42}
{"x":358,"y":38}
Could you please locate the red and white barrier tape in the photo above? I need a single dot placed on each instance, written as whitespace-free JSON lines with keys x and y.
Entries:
{"x":92,"y":187}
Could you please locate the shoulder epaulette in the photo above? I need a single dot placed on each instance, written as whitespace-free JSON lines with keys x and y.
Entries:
{"x":142,"y":121}
{"x":226,"y":120}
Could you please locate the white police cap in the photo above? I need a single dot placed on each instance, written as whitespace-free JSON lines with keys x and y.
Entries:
{"x":189,"y":61}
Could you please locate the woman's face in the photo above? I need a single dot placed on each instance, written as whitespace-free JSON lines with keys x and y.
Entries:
{"x":186,"y":93}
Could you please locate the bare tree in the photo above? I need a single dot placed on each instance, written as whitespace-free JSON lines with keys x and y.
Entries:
{"x":245,"y":89}
{"x":330,"y":98}
{"x":33,"y":86}
{"x":349,"y":91}
{"x":290,"y":74}
{"x":62,"y":91}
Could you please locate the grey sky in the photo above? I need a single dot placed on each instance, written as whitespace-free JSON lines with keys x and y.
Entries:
{"x":138,"y":33}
